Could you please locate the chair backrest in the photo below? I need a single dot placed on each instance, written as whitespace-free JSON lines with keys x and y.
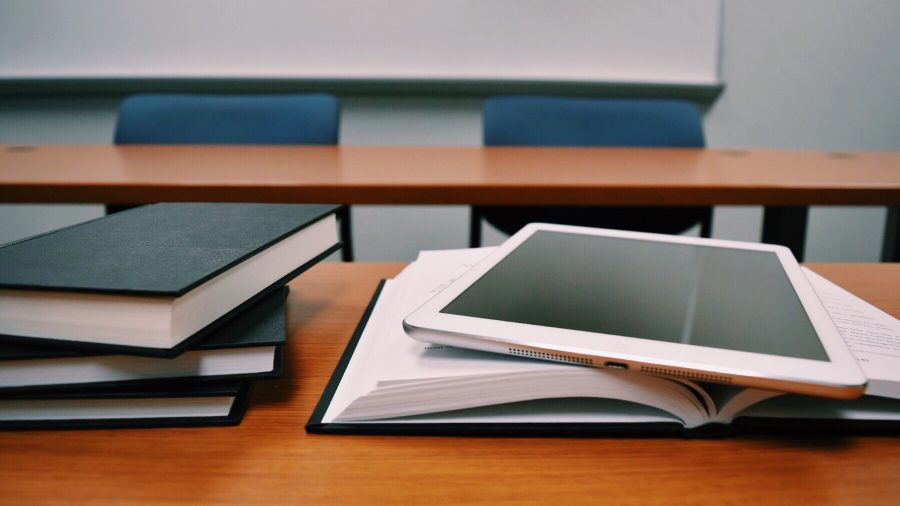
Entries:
{"x":228,"y":119}
{"x":555,"y":121}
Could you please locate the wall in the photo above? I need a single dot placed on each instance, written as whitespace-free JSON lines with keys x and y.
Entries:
{"x":508,"y":40}
{"x":813,"y":75}
{"x":52,"y":121}
{"x":800,"y":75}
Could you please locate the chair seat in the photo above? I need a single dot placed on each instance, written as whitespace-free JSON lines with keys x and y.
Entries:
{"x":290,"y":119}
{"x":658,"y":219}
{"x":561,"y":121}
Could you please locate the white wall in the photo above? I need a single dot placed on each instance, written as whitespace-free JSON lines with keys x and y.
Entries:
{"x":809,"y":74}
{"x":52,"y":121}
{"x":813,"y":74}
{"x":581,"y":40}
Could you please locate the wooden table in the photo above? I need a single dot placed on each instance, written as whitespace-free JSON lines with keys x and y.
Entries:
{"x":269,"y":459}
{"x":783,"y":181}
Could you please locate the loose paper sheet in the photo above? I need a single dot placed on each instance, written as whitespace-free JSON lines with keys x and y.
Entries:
{"x":872,"y":335}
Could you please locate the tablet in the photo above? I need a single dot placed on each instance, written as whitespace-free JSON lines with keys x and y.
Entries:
{"x":701,"y":309}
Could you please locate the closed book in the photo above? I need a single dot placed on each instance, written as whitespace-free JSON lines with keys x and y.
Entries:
{"x":388,"y":383}
{"x":153,"y":279}
{"x":248,"y":346}
{"x":175,"y":404}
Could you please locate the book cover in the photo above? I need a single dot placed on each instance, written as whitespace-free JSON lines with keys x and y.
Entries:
{"x":152,"y":279}
{"x":160,"y":249}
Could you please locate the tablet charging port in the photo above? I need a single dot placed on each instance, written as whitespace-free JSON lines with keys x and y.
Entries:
{"x":615,"y":365}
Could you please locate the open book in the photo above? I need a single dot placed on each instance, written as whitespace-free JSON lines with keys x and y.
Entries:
{"x":389,"y":383}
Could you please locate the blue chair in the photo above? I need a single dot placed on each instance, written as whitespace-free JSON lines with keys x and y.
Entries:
{"x":554,"y":121}
{"x":233,"y":119}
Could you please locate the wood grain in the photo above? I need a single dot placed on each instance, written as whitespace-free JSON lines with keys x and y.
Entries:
{"x":269,"y":459}
{"x":446,"y":175}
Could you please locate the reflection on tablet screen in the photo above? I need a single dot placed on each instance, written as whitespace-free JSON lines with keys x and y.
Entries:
{"x":701,"y":295}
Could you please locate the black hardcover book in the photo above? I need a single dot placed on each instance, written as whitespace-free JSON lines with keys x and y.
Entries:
{"x":386,"y":383}
{"x":155,"y":278}
{"x":173,"y":404}
{"x":248,"y":346}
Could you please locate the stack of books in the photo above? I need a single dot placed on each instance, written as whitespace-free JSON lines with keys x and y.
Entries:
{"x":162,"y":315}
{"x":388,"y":383}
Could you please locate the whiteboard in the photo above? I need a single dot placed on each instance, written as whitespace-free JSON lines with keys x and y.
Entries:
{"x":629,"y":41}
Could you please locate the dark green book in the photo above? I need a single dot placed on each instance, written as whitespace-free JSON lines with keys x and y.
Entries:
{"x":154,"y":279}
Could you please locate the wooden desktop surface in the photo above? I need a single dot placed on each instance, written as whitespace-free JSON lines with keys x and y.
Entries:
{"x":269,"y":459}
{"x":446,"y":175}
{"x":783,"y":181}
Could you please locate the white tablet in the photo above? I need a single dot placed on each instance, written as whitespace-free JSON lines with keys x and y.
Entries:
{"x":702,"y":309}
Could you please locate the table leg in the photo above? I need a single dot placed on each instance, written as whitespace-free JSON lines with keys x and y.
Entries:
{"x":786,"y":226}
{"x":889,"y":250}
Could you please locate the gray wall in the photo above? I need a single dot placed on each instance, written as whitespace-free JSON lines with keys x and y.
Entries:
{"x":808,"y":74}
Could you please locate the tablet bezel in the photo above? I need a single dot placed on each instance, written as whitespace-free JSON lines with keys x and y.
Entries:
{"x":839,"y":377}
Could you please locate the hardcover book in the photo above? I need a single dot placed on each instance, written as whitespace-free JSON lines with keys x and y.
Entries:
{"x":155,"y":278}
{"x":248,"y":346}
{"x":182,"y":404}
{"x":387,"y":383}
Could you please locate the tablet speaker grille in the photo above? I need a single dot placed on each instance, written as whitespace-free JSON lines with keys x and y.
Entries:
{"x":696,"y":376}
{"x":556,"y":357}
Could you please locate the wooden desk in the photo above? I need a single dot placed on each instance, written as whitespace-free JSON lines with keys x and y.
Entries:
{"x":784,"y":181}
{"x":269,"y":459}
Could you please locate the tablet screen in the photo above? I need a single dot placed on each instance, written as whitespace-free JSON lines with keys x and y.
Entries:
{"x":701,"y":295}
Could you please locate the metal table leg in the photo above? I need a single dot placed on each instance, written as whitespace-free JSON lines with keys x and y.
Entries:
{"x":786,"y":226}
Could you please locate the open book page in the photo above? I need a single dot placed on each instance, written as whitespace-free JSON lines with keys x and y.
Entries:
{"x":732,"y":400}
{"x":872,"y":335}
{"x":575,"y":382}
{"x":392,"y":375}
{"x":357,"y":379}
{"x":568,"y":410}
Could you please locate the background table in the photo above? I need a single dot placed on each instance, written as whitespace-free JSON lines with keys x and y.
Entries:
{"x":783,"y":181}
{"x":269,"y":459}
